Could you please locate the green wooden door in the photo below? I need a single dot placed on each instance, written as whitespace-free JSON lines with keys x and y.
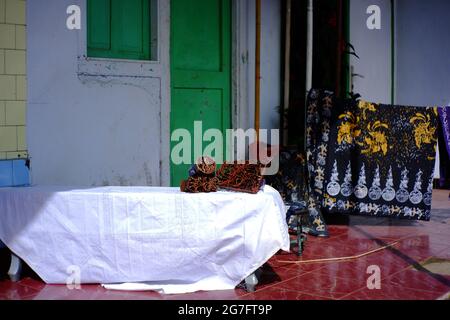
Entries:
{"x":200,"y":69}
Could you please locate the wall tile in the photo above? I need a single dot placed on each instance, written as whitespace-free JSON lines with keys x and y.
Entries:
{"x":7,"y":36}
{"x":21,"y":38}
{"x":2,"y":61}
{"x":8,"y":139}
{"x":21,"y":138}
{"x":21,"y":87}
{"x":16,"y":155}
{"x":15,"y":62}
{"x":15,"y":113}
{"x":2,"y":113}
{"x":2,"y":10}
{"x":15,"y":11}
{"x":7,"y":87}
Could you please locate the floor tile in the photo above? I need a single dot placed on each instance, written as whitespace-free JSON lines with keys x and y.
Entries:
{"x":32,"y":283}
{"x":320,"y":284}
{"x":209,"y":295}
{"x":14,"y":291}
{"x":391,"y":293}
{"x":92,"y":292}
{"x":281,"y":294}
{"x":420,"y":280}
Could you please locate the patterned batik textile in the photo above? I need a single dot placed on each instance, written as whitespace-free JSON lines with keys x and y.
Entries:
{"x":444,"y":147}
{"x":290,"y":180}
{"x":371,"y":159}
{"x":291,"y":183}
{"x":319,"y":105}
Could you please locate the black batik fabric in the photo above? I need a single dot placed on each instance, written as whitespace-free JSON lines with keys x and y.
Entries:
{"x":290,"y":180}
{"x":319,"y":111}
{"x":371,"y":159}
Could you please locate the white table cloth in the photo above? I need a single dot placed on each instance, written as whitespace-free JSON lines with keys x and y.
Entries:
{"x":174,"y":241}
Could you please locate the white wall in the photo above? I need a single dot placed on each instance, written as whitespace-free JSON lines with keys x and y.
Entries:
{"x":422,"y":52}
{"x":374,"y":50}
{"x":93,"y":123}
{"x":422,"y":43}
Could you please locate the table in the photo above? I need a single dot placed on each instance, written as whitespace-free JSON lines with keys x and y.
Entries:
{"x":174,"y":241}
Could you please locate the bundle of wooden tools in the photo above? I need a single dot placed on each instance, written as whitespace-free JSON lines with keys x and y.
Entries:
{"x":242,"y":177}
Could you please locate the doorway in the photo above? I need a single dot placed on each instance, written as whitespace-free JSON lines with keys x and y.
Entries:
{"x":200,"y":58}
{"x":330,"y":66}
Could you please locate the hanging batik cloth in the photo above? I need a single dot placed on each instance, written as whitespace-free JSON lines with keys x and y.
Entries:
{"x":291,"y":182}
{"x":319,"y":105}
{"x":371,"y":159}
{"x":444,"y":147}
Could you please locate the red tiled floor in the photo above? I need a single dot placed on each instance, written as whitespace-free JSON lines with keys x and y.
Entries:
{"x":340,"y":248}
{"x":419,"y":280}
{"x":388,"y":262}
{"x":92,"y":292}
{"x":355,"y":270}
{"x":289,"y":277}
{"x":280,"y":294}
{"x":209,"y":295}
{"x":32,"y":283}
{"x":14,"y":291}
{"x":391,"y":293}
{"x":325,"y":285}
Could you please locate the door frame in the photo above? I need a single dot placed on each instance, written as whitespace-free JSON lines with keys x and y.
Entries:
{"x":241,"y":59}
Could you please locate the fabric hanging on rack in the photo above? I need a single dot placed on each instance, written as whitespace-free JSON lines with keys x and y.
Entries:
{"x":291,"y":182}
{"x":371,"y":159}
{"x":318,"y":117}
{"x":444,"y":147}
{"x":444,"y":116}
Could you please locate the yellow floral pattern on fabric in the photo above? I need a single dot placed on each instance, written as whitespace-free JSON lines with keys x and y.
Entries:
{"x":424,"y":132}
{"x":376,"y":141}
{"x":366,"y":106}
{"x":348,"y":130}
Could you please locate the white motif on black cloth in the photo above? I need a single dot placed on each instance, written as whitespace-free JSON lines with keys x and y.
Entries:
{"x":416,"y":195}
{"x":375,"y":190}
{"x":333,"y":186}
{"x":361,"y":189}
{"x":402,"y":193}
{"x":389,"y":192}
{"x":428,"y":195}
{"x":347,"y":186}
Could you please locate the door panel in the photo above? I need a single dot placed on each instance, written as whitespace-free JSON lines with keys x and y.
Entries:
{"x":200,"y":69}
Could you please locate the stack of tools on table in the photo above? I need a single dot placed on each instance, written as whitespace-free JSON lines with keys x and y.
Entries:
{"x":242,"y":177}
{"x":202,"y":177}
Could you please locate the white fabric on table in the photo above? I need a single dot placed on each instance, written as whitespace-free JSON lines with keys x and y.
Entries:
{"x":174,"y":241}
